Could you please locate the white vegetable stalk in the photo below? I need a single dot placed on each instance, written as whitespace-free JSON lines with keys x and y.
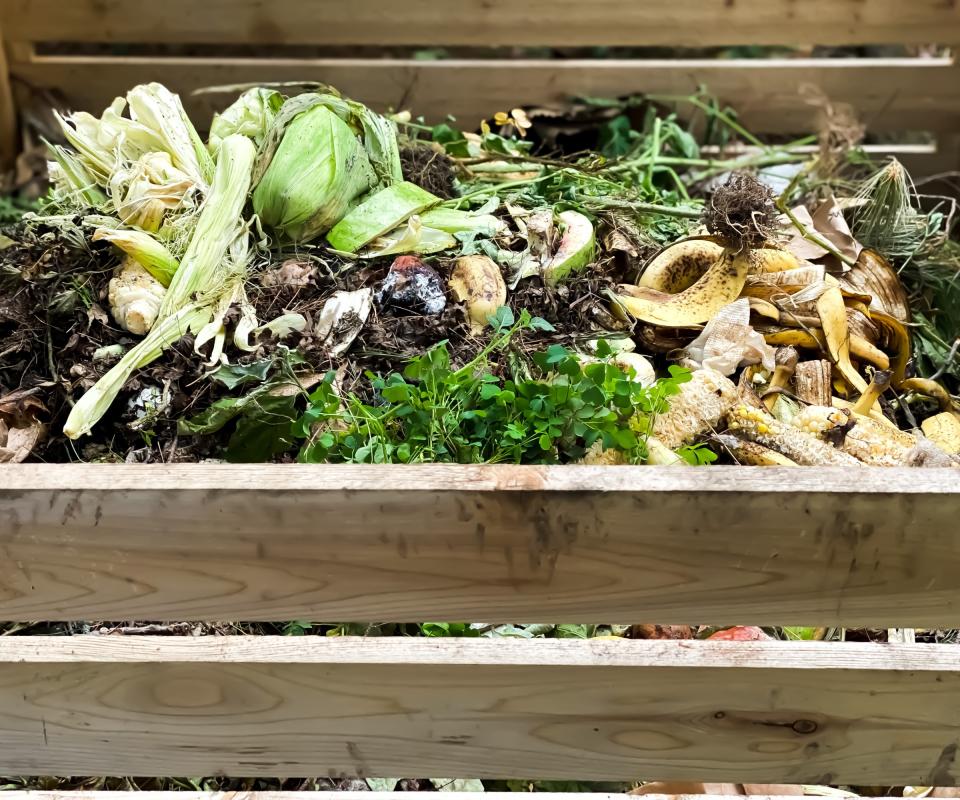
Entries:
{"x":135,"y":297}
{"x":197,"y":287}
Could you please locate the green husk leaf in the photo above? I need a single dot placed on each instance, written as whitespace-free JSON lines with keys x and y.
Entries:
{"x":453,"y":220}
{"x":144,"y":249}
{"x":251,"y":115}
{"x":313,"y":167}
{"x":414,"y":237}
{"x":378,"y":214}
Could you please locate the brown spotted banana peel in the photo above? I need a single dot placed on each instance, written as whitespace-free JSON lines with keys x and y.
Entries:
{"x":719,"y":286}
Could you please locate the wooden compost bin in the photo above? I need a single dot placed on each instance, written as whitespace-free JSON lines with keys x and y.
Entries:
{"x":528,"y":544}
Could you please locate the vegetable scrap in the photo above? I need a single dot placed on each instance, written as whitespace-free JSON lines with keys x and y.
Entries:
{"x":323,"y":283}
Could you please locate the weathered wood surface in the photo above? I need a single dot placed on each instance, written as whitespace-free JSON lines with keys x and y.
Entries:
{"x":553,"y":23}
{"x":592,"y":710}
{"x":534,"y":544}
{"x":890,"y":93}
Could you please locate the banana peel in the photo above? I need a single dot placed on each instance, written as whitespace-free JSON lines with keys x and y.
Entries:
{"x":815,"y":339}
{"x":719,"y":286}
{"x":943,"y":430}
{"x":680,"y":265}
{"x":833,"y":317}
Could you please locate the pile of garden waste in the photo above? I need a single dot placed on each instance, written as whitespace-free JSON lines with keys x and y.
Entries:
{"x":318,"y":282}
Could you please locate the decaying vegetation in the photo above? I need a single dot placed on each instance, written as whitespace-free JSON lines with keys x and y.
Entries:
{"x":322,"y":283}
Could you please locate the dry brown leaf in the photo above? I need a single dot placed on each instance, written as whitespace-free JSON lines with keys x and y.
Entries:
{"x":829,"y":222}
{"x":653,"y":631}
{"x":20,"y":428}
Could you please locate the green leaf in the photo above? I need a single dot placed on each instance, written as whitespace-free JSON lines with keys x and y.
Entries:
{"x":453,"y":141}
{"x":234,"y":375}
{"x":264,"y":430}
{"x":540,"y":324}
{"x":502,"y":318}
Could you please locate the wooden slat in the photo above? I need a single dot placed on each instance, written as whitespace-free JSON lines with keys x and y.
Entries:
{"x":589,"y":710}
{"x":898,"y":94}
{"x":552,"y":23}
{"x":533,"y":544}
{"x":8,"y":115}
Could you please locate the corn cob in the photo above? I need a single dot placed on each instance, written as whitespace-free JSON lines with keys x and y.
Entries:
{"x":755,"y":425}
{"x":751,"y":453}
{"x":702,"y":402}
{"x":862,"y":437}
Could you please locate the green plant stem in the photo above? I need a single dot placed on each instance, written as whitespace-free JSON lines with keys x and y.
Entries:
{"x":706,"y":108}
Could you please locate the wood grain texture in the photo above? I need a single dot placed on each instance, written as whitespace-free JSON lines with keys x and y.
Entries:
{"x":890,"y":94}
{"x":535,"y":544}
{"x":553,"y":23}
{"x":9,"y":145}
{"x":595,"y":710}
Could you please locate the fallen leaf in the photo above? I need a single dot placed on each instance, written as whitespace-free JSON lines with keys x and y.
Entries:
{"x":20,"y":428}
{"x":829,"y":222}
{"x":652,"y":631}
{"x":740,"y":633}
{"x":96,"y":314}
{"x":16,"y":444}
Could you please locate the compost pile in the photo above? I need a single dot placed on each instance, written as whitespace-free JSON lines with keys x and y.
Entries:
{"x":318,"y":282}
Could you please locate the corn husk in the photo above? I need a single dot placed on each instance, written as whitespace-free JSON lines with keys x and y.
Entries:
{"x":251,"y":115}
{"x":206,"y":273}
{"x":71,"y":180}
{"x":414,"y":237}
{"x":143,"y":248}
{"x":380,"y":213}
{"x":145,"y":191}
{"x":319,"y":156}
{"x":157,"y":122}
{"x":451,"y":220}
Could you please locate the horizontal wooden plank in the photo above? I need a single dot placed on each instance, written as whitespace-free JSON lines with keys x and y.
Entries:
{"x":534,"y":544}
{"x":898,"y":94}
{"x":492,"y":22}
{"x":593,"y":710}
